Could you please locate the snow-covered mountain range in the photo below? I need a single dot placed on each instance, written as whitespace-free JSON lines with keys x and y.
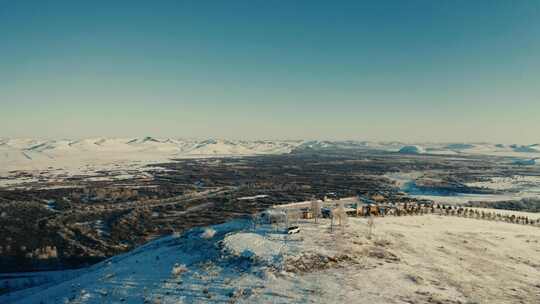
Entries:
{"x":33,"y":154}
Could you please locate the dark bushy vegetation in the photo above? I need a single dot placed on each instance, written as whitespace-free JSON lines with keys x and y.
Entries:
{"x":79,"y":222}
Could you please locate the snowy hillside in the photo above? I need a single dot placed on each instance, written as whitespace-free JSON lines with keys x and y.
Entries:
{"x":530,"y":148}
{"x":411,"y":150}
{"x":30,"y":154}
{"x":521,"y":151}
{"x":422,"y":259}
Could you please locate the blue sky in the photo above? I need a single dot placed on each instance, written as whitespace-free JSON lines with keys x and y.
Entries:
{"x":370,"y":70}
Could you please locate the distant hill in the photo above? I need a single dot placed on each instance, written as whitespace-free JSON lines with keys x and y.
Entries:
{"x":18,"y":154}
{"x":411,"y":150}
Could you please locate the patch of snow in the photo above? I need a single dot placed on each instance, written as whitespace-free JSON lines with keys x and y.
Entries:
{"x":178,"y":269}
{"x":252,"y":197}
{"x":208,"y":233}
{"x":459,"y":146}
{"x":459,"y":199}
{"x":527,"y":149}
{"x":525,"y":162}
{"x":401,"y":179}
{"x":516,"y":183}
{"x":252,"y":245}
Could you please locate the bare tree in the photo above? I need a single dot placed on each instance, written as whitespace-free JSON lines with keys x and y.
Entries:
{"x":345,"y":218}
{"x":254,"y":221}
{"x":359,"y":209}
{"x":340,"y":215}
{"x":316,"y":209}
{"x":371,"y":223}
{"x":332,"y":220}
{"x":292,"y":216}
{"x":278,"y":219}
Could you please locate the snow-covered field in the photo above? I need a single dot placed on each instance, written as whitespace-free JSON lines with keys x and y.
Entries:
{"x":517,"y":183}
{"x":58,"y":159}
{"x":30,"y":154}
{"x":511,"y":188}
{"x":34,"y":154}
{"x":460,"y":199}
{"x":414,"y":259}
{"x":518,"y":151}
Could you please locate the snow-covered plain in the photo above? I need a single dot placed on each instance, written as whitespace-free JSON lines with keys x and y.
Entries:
{"x":513,"y":188}
{"x":510,"y":188}
{"x":30,"y":160}
{"x":34,"y":154}
{"x":30,"y":154}
{"x":58,"y":159}
{"x":514,"y":183}
{"x":462,"y":198}
{"x":418,"y":259}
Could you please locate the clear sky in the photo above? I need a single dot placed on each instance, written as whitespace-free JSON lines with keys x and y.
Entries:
{"x":369,"y":70}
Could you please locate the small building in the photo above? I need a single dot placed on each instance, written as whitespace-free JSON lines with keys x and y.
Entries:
{"x":307,"y":214}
